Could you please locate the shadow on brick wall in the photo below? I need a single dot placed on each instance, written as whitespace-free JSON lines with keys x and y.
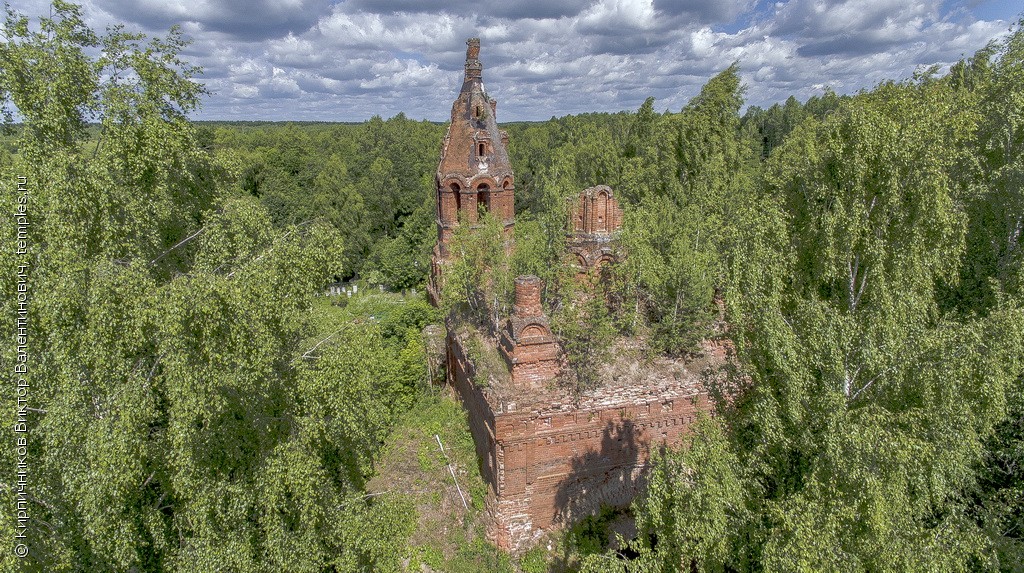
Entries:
{"x":610,"y":476}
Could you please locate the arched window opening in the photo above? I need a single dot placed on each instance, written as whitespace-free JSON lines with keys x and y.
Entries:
{"x":533,"y":331}
{"x":481,"y":151}
{"x":483,"y":198}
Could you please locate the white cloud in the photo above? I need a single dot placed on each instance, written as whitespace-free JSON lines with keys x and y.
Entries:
{"x":244,"y":92}
{"x":311,"y":59}
{"x":401,"y":74}
{"x":618,"y":17}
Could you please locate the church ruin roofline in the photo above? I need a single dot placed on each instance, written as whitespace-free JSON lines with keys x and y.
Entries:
{"x":474,"y":68}
{"x":474,"y":172}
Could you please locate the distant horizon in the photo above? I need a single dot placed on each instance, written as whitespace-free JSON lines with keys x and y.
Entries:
{"x":743,"y":111}
{"x":344,"y":62}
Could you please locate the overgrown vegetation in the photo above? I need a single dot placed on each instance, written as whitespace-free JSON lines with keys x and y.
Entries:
{"x":197,"y":405}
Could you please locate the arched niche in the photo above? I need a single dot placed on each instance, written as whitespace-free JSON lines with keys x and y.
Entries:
{"x":533,"y":331}
{"x":456,"y":194}
{"x":581,"y":262}
{"x":602,"y":267}
{"x":601,"y":211}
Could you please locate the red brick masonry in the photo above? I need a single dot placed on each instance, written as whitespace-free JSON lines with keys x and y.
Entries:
{"x":549,"y":460}
{"x":548,"y":457}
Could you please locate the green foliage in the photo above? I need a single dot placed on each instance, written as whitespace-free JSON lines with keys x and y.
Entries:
{"x":446,"y":537}
{"x":540,"y":249}
{"x":429,"y":556}
{"x":479,"y":277}
{"x":683,"y":227}
{"x":865,"y":401}
{"x":412,"y":313}
{"x":479,"y":284}
{"x":585,"y":327}
{"x":193,"y":413}
{"x":770,"y":127}
{"x":401,"y":262}
{"x":694,"y":498}
{"x":534,"y":561}
{"x":997,"y":502}
{"x":677,"y":235}
{"x":993,"y":258}
{"x":369,"y":181}
{"x":479,"y":555}
{"x":49,"y":57}
{"x":590,"y":535}
{"x":669,"y":276}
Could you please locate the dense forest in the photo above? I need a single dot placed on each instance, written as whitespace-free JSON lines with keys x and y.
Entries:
{"x":192,"y":401}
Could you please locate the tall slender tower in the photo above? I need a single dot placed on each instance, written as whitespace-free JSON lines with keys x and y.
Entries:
{"x":474,"y":174}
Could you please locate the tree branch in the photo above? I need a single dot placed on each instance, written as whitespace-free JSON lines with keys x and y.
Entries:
{"x":870,"y":382}
{"x":274,"y":244}
{"x":180,"y":243}
{"x":317,"y":345}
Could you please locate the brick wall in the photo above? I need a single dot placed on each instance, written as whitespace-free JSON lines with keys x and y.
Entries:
{"x":461,"y":373}
{"x":549,"y":461}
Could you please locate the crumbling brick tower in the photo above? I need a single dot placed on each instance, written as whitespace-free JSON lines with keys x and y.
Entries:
{"x":474,"y":174}
{"x":548,"y":456}
{"x":596,"y":216}
{"x":526,"y":343}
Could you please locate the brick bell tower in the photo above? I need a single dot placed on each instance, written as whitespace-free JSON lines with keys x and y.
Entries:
{"x":474,"y":174}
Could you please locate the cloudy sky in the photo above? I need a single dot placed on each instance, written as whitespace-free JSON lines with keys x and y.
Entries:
{"x":351,"y":59}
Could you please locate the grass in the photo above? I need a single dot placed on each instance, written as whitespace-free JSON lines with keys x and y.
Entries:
{"x":448,"y":536}
{"x":490,"y":366}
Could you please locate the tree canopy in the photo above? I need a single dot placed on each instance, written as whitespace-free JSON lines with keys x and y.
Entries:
{"x":196,"y":404}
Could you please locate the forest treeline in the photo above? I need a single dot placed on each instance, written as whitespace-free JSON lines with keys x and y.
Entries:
{"x":195,"y":406}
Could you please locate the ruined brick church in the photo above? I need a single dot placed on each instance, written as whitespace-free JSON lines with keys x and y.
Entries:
{"x":548,"y":456}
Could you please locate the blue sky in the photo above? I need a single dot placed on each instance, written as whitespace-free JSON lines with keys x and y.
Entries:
{"x":349,"y":60}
